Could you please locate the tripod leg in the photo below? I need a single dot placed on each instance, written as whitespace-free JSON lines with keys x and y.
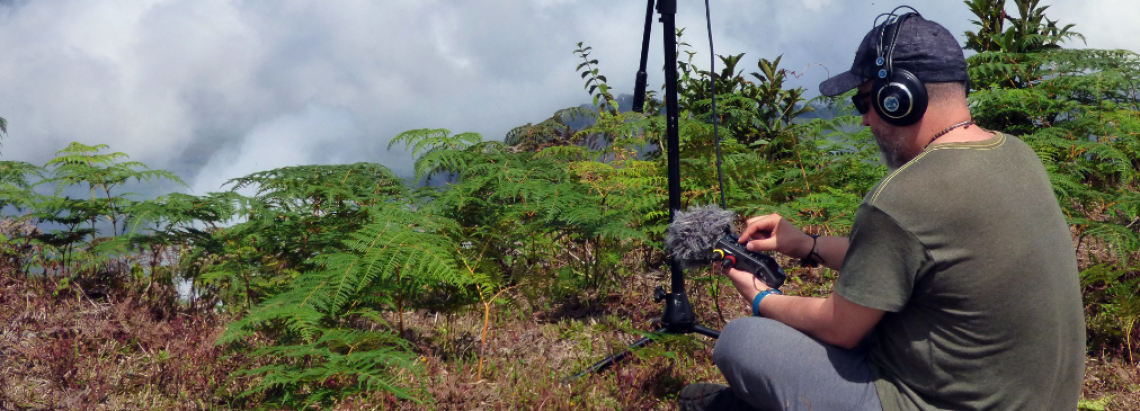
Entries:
{"x":705,"y":331}
{"x":613,"y":359}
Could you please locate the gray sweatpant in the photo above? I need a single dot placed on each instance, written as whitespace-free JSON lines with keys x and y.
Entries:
{"x":774,"y":367}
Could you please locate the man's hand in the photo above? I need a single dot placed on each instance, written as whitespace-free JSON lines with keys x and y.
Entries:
{"x":773,"y":233}
{"x":833,"y":320}
{"x":746,"y":283}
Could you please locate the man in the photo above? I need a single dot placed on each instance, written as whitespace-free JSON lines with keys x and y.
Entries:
{"x":958,"y":285}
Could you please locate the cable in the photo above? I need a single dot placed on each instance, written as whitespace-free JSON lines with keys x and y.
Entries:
{"x":716,"y":120}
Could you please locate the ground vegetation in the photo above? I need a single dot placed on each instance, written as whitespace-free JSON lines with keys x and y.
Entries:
{"x":506,"y":265}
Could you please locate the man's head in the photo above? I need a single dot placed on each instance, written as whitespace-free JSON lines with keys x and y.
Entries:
{"x":896,"y":143}
{"x":922,"y":47}
{"x":923,"y":52}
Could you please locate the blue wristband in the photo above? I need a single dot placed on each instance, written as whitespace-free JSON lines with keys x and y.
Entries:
{"x":756,"y":301}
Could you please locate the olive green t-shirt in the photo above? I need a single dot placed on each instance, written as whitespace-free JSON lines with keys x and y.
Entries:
{"x":966,"y":249}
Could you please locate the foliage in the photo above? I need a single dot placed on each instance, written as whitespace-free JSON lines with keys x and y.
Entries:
{"x":1115,"y":297}
{"x":320,"y":263}
{"x":1029,"y":32}
{"x":596,"y":84}
{"x":812,"y":171}
{"x":757,"y":113}
{"x":498,"y":194}
{"x":554,"y":131}
{"x":74,"y":223}
{"x":436,"y":150}
{"x":166,"y":236}
{"x":3,"y":126}
{"x":295,"y":213}
{"x":1078,"y":110}
{"x":322,"y":347}
{"x":80,"y":164}
{"x":16,"y":184}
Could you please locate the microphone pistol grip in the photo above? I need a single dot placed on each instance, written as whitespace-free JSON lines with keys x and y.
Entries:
{"x":733,"y":254}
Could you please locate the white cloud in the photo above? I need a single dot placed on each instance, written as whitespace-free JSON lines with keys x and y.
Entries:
{"x":194,"y":86}
{"x":816,"y":5}
{"x":317,"y":134}
{"x":1106,"y":24}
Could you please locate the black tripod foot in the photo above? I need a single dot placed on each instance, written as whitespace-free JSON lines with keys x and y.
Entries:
{"x":705,"y":331}
{"x":613,"y":359}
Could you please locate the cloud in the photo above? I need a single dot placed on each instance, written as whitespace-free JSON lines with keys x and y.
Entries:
{"x":316,"y":134}
{"x":1106,"y":24}
{"x":197,"y":86}
{"x":816,"y":5}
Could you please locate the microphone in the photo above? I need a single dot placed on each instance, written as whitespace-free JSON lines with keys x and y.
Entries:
{"x":704,"y":234}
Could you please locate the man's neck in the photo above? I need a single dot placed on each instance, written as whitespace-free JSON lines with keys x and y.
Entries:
{"x":966,"y":132}
{"x":941,"y":130}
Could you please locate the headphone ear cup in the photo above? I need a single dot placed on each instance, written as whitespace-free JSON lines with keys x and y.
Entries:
{"x":902,"y":100}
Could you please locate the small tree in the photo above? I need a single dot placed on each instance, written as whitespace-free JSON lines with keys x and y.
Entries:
{"x":80,"y":164}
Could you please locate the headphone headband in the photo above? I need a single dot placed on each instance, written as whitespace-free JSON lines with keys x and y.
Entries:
{"x":885,"y":61}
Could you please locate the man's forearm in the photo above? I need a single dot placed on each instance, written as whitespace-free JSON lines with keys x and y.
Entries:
{"x":833,"y":320}
{"x":801,"y":313}
{"x":831,"y":251}
{"x":813,"y":316}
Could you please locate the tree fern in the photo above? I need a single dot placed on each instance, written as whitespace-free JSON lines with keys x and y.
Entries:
{"x":101,"y":173}
{"x":16,"y":184}
{"x":320,"y":354}
{"x":435,"y":149}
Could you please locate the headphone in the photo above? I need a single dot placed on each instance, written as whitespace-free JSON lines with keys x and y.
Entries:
{"x":897,"y":95}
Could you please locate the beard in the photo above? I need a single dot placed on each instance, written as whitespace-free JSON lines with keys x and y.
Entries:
{"x":892,"y":146}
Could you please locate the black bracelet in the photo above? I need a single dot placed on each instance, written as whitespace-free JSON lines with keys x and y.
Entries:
{"x":813,"y":258}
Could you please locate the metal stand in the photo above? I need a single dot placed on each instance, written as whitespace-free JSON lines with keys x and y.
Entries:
{"x":678,"y":317}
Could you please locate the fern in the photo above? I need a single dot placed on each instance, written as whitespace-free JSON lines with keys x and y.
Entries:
{"x":82,"y":164}
{"x":434,"y":149}
{"x":553,"y":131}
{"x":319,"y":354}
{"x":1080,"y":116}
{"x":16,"y":184}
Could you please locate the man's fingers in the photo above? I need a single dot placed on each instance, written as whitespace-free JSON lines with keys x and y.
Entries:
{"x":767,"y":244}
{"x":765,"y":224}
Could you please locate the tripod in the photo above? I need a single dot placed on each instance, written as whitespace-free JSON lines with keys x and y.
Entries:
{"x":678,"y":317}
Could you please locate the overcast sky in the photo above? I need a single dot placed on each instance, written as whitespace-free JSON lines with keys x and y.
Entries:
{"x":217,"y":89}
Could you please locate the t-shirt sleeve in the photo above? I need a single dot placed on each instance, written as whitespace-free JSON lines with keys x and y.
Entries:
{"x":882,"y":262}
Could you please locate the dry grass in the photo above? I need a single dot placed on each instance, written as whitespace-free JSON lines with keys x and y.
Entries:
{"x":529,"y":351}
{"x":127,"y":351}
{"x":122,"y":351}
{"x":1112,"y":381}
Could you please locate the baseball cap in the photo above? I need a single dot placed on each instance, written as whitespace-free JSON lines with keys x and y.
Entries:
{"x":924,"y":48}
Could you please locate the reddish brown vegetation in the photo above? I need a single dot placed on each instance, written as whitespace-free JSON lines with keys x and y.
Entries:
{"x":122,"y":350}
{"x":125,"y":350}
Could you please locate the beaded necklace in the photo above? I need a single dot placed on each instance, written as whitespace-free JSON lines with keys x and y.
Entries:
{"x":947,"y":130}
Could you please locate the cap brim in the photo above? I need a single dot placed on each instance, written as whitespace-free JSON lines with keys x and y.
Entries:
{"x":840,"y":84}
